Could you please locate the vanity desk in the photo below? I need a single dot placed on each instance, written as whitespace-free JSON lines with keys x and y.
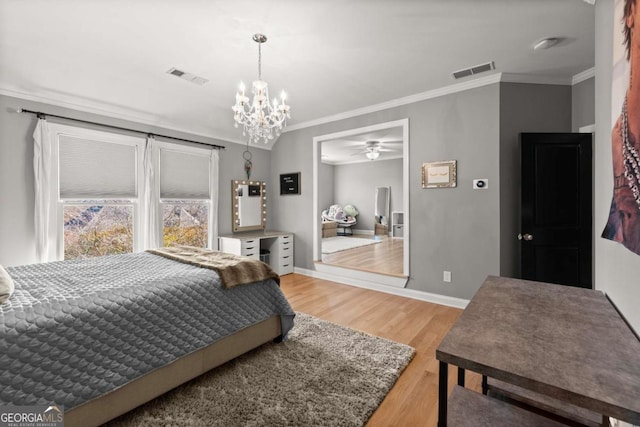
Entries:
{"x":248,"y":221}
{"x":278,"y":243}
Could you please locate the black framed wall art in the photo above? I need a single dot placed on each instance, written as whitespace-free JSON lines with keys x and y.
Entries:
{"x":290,"y":183}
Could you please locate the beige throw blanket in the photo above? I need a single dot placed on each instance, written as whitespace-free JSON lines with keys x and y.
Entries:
{"x":233,"y":269}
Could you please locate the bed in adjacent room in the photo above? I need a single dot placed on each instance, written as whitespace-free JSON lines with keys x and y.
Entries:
{"x":104,"y":335}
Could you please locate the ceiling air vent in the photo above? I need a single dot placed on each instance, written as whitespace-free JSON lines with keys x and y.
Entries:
{"x":473,"y":70}
{"x":187,"y":76}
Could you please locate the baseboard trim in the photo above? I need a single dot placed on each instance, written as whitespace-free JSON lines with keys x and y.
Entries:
{"x":359,"y":277}
{"x":389,"y":289}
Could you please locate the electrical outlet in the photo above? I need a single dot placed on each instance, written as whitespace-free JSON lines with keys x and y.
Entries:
{"x":446,"y":276}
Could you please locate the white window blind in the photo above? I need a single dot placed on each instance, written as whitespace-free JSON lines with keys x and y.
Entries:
{"x":184,"y":175}
{"x":91,"y":169}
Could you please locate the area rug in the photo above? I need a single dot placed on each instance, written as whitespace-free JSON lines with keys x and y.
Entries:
{"x":322,"y":375}
{"x":336,"y":244}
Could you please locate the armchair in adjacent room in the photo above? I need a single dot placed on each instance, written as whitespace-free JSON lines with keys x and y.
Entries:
{"x":344,"y":218}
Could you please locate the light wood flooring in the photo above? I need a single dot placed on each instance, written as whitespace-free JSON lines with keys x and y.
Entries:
{"x":413,"y":401}
{"x":382,"y":258}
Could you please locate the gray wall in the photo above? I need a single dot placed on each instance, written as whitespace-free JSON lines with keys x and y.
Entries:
{"x":467,"y":232}
{"x":326,"y":186}
{"x":523,"y":108}
{"x":356,"y":184}
{"x":451,"y":229}
{"x":16,"y":173}
{"x":617,"y":269}
{"x":583,"y":112}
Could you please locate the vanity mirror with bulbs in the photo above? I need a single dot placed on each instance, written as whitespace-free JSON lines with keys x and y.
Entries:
{"x":250,"y":237}
{"x":248,"y":205}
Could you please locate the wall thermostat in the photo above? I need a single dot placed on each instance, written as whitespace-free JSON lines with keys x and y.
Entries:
{"x":480,"y":184}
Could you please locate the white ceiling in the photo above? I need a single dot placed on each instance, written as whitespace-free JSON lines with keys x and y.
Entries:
{"x":353,"y":149}
{"x":331,"y":56}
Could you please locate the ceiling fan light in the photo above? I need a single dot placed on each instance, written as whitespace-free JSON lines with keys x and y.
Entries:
{"x":372,"y":155}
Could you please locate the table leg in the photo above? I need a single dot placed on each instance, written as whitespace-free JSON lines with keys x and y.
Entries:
{"x":443,"y":386}
{"x":485,"y":386}
{"x":460,"y":376}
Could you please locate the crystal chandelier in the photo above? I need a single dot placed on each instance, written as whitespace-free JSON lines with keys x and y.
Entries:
{"x":260,"y":119}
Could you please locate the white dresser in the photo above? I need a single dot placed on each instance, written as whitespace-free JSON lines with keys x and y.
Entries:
{"x":279,"y":245}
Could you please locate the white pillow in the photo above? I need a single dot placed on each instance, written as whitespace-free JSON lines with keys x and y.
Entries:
{"x":6,"y":285}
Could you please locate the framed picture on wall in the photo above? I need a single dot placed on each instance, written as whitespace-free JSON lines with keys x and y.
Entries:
{"x":623,"y":223}
{"x":439,"y":174}
{"x":290,"y":183}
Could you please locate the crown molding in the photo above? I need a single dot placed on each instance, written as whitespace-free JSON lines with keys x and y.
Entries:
{"x":123,"y":113}
{"x":458,"y":87}
{"x":535,"y":79}
{"x":585,"y":75}
{"x":116,"y":112}
{"x":446,"y":90}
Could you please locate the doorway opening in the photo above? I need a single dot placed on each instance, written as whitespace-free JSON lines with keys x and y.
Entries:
{"x":361,"y":203}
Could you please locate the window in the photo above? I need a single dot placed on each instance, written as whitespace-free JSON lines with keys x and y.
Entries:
{"x":97,"y":193}
{"x":95,"y":228}
{"x":104,"y":198}
{"x":185,"y":223}
{"x":185,"y":196}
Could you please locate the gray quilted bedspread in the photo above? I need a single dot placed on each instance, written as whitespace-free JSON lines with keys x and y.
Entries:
{"x":74,"y":330}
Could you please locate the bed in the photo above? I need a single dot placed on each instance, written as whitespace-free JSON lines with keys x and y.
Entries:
{"x":104,"y":335}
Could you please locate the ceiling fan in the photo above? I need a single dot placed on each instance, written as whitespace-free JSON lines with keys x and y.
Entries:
{"x":372,"y":149}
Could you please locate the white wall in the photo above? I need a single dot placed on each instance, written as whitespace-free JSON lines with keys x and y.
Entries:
{"x":617,"y":270}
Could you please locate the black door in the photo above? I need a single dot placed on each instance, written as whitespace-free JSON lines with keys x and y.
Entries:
{"x":556,"y":231}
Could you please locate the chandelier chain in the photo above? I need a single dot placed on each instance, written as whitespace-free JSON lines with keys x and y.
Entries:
{"x":259,"y":60}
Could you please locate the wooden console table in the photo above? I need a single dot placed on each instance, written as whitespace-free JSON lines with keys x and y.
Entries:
{"x":564,"y":342}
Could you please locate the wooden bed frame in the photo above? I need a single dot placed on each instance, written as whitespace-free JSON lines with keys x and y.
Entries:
{"x":161,"y":380}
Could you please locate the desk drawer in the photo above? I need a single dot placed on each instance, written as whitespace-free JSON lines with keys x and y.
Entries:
{"x":286,"y":238}
{"x":285,"y":265}
{"x":286,"y":250}
{"x":285,"y":241}
{"x":252,"y":254}
{"x":250,"y":244}
{"x":251,"y":248}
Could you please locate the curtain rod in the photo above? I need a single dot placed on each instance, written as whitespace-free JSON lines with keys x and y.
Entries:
{"x":45,"y":115}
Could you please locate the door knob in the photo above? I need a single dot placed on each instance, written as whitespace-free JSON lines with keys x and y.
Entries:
{"x":527,"y":237}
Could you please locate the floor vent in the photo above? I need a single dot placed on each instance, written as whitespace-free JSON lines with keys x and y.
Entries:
{"x":476,"y":69}
{"x":187,"y":76}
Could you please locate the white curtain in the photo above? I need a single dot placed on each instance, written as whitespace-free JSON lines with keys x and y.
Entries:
{"x":213,"y":187}
{"x":42,"y":164}
{"x":152,"y":236}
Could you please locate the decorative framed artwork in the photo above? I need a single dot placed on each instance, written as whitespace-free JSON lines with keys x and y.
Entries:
{"x":623,"y":223}
{"x":290,"y":183}
{"x":439,"y":174}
